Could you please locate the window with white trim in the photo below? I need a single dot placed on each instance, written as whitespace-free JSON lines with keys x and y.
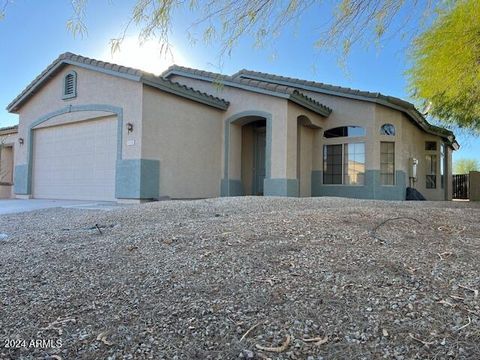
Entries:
{"x":70,"y":85}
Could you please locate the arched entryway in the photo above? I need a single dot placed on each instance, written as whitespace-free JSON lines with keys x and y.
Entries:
{"x":247,"y":155}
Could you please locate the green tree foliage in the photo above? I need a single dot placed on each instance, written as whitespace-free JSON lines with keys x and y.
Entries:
{"x":446,"y":65}
{"x":464,"y":166}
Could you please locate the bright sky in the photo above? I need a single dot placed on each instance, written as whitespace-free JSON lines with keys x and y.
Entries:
{"x":34,"y":33}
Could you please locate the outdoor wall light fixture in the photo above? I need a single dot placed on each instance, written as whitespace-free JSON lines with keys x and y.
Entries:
{"x":20,"y":141}
{"x":129,"y":127}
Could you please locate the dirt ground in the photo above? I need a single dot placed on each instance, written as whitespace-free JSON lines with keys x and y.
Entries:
{"x":243,"y":278}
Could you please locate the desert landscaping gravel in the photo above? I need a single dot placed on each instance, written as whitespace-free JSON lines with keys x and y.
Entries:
{"x":243,"y":278}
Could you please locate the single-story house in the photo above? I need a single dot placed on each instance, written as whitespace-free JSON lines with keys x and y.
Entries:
{"x":95,"y":130}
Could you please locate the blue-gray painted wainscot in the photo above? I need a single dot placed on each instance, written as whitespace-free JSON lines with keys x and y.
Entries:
{"x":231,"y":187}
{"x":371,"y":190}
{"x":137,"y":179}
{"x":21,"y":184}
{"x":280,"y":187}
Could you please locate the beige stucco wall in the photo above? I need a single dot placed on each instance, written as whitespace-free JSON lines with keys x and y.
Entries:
{"x":305,"y":159}
{"x":186,"y":137}
{"x":286,"y":162}
{"x":409,"y":139}
{"x":244,"y":101}
{"x":92,"y":88}
{"x":284,"y":125}
{"x":6,"y":171}
{"x":411,"y":144}
{"x":8,"y":143}
{"x":346,"y":112}
{"x":474,"y":185}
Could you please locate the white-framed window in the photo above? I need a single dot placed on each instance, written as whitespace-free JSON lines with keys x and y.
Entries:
{"x":387,"y":129}
{"x":344,"y":164}
{"x":70,"y":85}
{"x":387,"y":163}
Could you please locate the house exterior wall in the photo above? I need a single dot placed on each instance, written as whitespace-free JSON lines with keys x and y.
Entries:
{"x":409,"y":142}
{"x":294,"y":169}
{"x":98,"y":94}
{"x":305,"y":159}
{"x":8,"y":143}
{"x":474,"y":185}
{"x":186,"y":139}
{"x":282,"y":178}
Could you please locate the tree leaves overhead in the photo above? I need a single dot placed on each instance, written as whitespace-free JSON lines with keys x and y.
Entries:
{"x":446,"y":65}
{"x":226,"y":21}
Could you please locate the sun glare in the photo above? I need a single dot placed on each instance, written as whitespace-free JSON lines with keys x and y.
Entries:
{"x":147,"y":56}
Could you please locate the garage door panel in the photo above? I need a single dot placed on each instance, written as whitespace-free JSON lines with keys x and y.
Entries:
{"x":75,"y":161}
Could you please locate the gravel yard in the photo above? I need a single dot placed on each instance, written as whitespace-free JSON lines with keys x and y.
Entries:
{"x":229,"y":278}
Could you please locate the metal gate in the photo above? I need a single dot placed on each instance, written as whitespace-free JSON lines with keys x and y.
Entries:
{"x":460,"y":186}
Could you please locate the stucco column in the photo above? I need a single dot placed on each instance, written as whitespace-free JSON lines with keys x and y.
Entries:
{"x":282,"y":180}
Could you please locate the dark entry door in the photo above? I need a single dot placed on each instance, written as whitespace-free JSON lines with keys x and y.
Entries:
{"x":259,"y":153}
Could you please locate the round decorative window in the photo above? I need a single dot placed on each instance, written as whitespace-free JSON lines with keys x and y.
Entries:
{"x":387,"y":129}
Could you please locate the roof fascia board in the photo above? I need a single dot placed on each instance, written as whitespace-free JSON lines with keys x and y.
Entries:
{"x":34,"y":86}
{"x":186,"y":94}
{"x":102,"y":70}
{"x":228,"y":83}
{"x":294,"y":98}
{"x":299,"y":100}
{"x":310,"y":88}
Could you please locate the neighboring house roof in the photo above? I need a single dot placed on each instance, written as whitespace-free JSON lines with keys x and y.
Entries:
{"x":264,"y":87}
{"x":115,"y":70}
{"x":9,"y":130}
{"x":388,"y":101}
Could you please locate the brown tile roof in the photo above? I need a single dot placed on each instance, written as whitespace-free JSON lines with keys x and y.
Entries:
{"x":118,"y":70}
{"x":386,"y":100}
{"x":289,"y":92}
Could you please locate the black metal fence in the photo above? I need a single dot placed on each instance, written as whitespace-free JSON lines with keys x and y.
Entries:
{"x":460,"y":186}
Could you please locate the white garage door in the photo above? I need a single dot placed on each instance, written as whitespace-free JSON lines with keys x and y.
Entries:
{"x":75,"y":161}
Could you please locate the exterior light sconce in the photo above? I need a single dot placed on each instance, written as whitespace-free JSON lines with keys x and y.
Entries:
{"x":20,"y":141}
{"x":129,"y":127}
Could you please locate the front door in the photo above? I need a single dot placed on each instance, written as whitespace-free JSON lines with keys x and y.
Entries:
{"x":259,"y":156}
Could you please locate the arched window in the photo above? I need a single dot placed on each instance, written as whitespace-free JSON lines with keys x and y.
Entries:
{"x":344,"y":131}
{"x":387,"y":129}
{"x":70,"y":85}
